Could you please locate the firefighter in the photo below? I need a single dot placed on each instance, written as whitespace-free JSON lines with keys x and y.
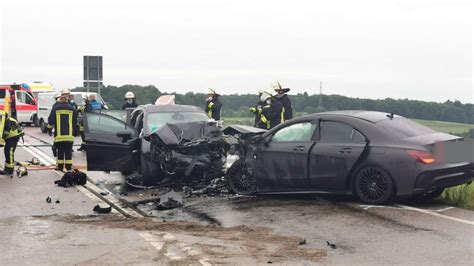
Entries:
{"x":273,"y":111}
{"x":257,"y":111}
{"x":71,"y":101}
{"x":80,"y":111}
{"x":11,"y":132}
{"x":213,"y":105}
{"x":284,"y":99}
{"x":63,"y":118}
{"x":130,"y":102}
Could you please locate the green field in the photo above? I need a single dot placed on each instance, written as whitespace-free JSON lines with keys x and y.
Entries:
{"x":446,"y":127}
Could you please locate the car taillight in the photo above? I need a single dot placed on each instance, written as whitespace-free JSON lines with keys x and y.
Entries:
{"x":422,"y":156}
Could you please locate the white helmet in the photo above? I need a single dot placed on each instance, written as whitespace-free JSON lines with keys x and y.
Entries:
{"x":212,"y":92}
{"x":66,"y":91}
{"x":276,"y":86}
{"x":266,"y":94}
{"x":129,"y":95}
{"x":57,"y":95}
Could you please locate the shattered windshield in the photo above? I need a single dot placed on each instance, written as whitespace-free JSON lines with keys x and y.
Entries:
{"x":155,"y":121}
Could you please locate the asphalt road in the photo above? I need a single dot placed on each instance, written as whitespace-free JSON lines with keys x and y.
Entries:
{"x":36,"y":232}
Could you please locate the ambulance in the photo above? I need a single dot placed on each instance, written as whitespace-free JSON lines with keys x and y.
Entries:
{"x":20,"y":100}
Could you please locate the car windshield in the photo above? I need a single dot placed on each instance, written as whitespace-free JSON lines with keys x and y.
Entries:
{"x":155,"y":121}
{"x":404,"y":128}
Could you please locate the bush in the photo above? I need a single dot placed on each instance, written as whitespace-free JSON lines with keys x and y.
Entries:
{"x":462,"y":196}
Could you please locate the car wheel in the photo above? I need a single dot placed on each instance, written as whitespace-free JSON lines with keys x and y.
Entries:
{"x":43,"y":127}
{"x":240,"y":179}
{"x":36,"y":121}
{"x":151,"y":172}
{"x":373,"y":185}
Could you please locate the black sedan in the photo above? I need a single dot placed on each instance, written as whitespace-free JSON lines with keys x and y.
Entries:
{"x":376,"y":156}
{"x":165,"y":143}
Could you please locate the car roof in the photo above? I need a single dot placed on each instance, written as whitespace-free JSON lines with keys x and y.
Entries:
{"x":371,"y":116}
{"x":170,"y":108}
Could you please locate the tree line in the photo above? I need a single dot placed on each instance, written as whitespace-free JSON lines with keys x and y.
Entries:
{"x":235,"y":105}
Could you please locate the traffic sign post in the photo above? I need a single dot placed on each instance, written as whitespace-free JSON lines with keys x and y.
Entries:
{"x":93,"y":72}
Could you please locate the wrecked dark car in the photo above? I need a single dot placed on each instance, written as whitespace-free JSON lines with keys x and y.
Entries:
{"x":376,"y":156}
{"x":167,"y":144}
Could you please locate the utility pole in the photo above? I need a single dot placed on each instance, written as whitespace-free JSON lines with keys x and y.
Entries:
{"x":320,"y":94}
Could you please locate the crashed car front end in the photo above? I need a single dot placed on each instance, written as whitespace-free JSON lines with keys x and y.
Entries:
{"x":188,"y":151}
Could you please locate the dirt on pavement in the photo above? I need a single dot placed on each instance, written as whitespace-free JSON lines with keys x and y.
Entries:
{"x":219,"y":244}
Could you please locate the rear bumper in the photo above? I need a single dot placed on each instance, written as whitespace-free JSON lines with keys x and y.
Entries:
{"x":454,"y":175}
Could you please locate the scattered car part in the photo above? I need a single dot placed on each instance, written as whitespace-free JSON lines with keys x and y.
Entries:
{"x":333,"y":246}
{"x":99,"y":209}
{"x":35,"y":161}
{"x":57,"y":201}
{"x":170,"y":200}
{"x":216,"y":187}
{"x":73,"y":178}
{"x":21,"y":171}
{"x":48,"y":199}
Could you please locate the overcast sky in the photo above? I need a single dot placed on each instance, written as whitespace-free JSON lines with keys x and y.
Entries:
{"x":416,"y":49}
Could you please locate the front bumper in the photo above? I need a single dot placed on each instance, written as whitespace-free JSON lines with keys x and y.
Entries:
{"x":449,"y":176}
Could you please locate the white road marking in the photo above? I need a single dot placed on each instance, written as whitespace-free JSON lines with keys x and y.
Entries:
{"x":153,"y":240}
{"x":366,"y":207}
{"x":436,"y":214}
{"x":444,"y":209}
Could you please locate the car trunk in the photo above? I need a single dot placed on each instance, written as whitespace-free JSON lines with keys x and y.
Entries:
{"x":447,"y":148}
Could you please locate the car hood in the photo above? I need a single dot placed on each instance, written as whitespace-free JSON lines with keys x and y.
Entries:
{"x":183,"y":133}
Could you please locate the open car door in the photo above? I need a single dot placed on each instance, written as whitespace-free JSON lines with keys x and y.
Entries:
{"x":109,"y":141}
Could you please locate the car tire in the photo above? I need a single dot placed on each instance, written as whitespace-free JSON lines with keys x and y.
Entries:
{"x":240,"y":179}
{"x":150,"y":171}
{"x":373,"y":185}
{"x":36,"y":121}
{"x":43,"y":126}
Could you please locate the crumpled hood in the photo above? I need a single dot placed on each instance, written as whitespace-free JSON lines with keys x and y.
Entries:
{"x":185,"y":133}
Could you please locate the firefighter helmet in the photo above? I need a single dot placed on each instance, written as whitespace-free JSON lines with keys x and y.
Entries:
{"x":129,"y":95}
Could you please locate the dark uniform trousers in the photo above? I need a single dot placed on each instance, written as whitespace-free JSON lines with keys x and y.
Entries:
{"x":9,"y":150}
{"x":64,"y":149}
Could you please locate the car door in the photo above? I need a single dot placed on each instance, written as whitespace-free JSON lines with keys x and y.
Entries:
{"x":25,"y":106}
{"x":337,"y":149}
{"x":281,"y":163}
{"x":109,"y":142}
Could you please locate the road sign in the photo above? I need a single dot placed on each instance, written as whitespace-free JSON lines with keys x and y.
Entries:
{"x":92,"y":71}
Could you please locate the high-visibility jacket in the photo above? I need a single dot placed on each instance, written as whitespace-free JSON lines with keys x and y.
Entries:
{"x":257,"y":111}
{"x":3,"y":119}
{"x":12,"y":129}
{"x":273,"y":114}
{"x":213,"y":109}
{"x":63,"y":118}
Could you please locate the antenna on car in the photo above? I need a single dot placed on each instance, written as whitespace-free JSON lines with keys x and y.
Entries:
{"x":390,"y":116}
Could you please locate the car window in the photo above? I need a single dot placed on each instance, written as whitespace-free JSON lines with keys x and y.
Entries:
{"x":336,"y":132}
{"x":103,"y":124}
{"x":295,"y":132}
{"x":24,"y":97}
{"x":119,"y":114}
{"x":154,"y":121}
{"x":404,"y":128}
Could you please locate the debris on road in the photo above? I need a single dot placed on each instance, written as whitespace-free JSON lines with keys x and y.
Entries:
{"x":21,"y":171}
{"x":70,"y":179}
{"x":99,"y":209}
{"x":170,"y":200}
{"x":48,"y":199}
{"x":215,"y":188}
{"x":303,"y":241}
{"x":333,"y":246}
{"x":57,"y":201}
